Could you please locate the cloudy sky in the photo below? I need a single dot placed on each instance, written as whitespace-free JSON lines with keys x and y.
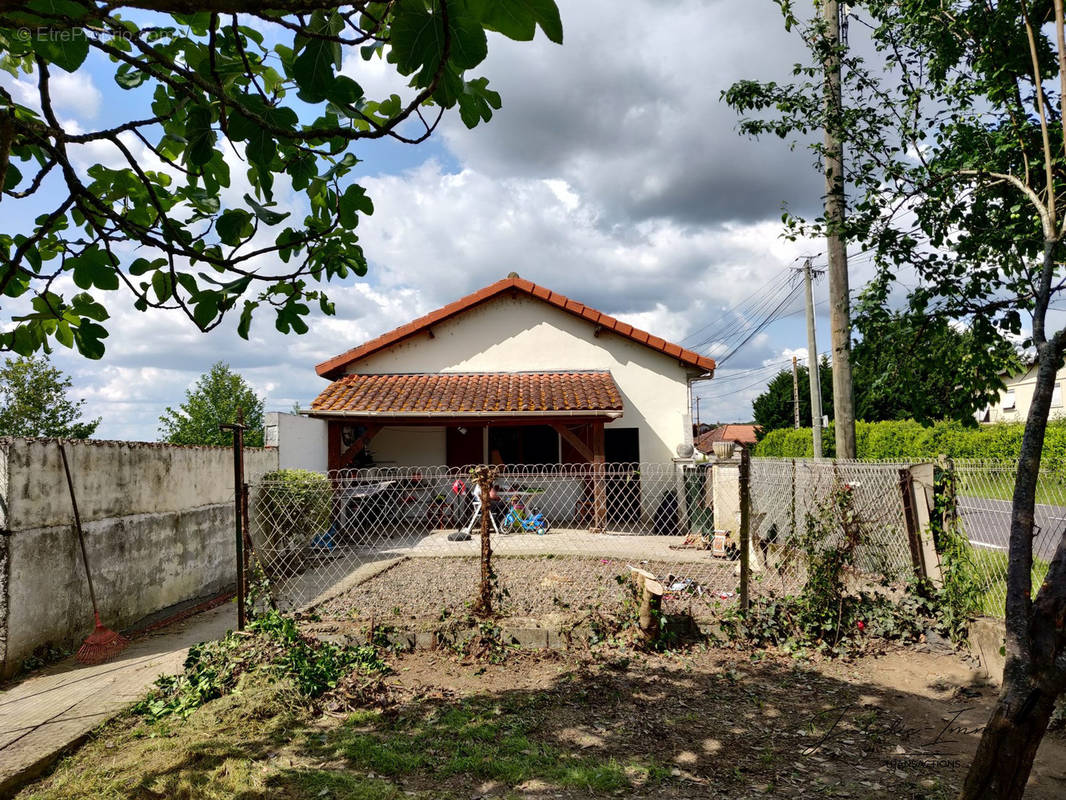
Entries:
{"x":613,"y":174}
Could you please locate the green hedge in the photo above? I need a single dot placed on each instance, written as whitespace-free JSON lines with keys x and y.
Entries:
{"x":907,"y":440}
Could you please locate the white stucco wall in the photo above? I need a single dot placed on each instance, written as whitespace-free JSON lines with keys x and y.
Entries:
{"x":521,"y":334}
{"x":419,"y":446}
{"x":1023,"y":387}
{"x":301,"y":441}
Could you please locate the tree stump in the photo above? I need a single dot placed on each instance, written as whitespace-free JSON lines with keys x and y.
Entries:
{"x":649,"y":594}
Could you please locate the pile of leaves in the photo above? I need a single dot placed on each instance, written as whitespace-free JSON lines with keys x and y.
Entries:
{"x":321,"y":674}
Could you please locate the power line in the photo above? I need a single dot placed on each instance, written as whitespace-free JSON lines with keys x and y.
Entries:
{"x":728,"y":322}
{"x":779,"y":366}
{"x":761,"y":326}
{"x":760,"y":292}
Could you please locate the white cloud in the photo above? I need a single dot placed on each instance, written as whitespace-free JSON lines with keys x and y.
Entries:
{"x":71,"y":92}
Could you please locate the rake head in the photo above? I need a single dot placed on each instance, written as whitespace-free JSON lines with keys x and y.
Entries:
{"x":102,"y":645}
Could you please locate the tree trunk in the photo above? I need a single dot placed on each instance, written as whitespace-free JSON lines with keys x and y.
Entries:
{"x":1004,"y":758}
{"x":486,"y":477}
{"x":1034,"y":674}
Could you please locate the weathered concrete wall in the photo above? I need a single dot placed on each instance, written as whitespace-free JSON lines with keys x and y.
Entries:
{"x":158,"y":523}
{"x":987,"y":636}
{"x":114,"y":479}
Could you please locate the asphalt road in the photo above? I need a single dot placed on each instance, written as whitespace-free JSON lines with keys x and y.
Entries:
{"x":987,"y":524}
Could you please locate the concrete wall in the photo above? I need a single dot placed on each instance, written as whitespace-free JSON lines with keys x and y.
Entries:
{"x":301,"y":441}
{"x":158,"y":523}
{"x":522,"y":334}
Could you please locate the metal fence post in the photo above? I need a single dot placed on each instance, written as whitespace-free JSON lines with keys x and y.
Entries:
{"x":239,"y":509}
{"x":745,"y":534}
{"x":792,"y":506}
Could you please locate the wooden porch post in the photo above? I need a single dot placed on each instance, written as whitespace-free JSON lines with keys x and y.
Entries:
{"x":334,"y":446}
{"x":599,"y":485}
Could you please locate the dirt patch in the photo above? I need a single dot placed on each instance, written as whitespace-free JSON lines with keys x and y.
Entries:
{"x":602,"y":722}
{"x":418,"y":591}
{"x":720,"y":723}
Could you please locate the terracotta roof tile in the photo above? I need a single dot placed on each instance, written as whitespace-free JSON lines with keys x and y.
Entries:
{"x":742,"y":434}
{"x":456,"y":394}
{"x":334,"y":367}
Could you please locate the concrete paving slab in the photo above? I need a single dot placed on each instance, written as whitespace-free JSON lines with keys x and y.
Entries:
{"x":55,"y":709}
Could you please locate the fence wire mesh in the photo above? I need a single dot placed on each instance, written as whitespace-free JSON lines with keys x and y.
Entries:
{"x":404,"y":542}
{"x":984,"y":490}
{"x":788,"y":496}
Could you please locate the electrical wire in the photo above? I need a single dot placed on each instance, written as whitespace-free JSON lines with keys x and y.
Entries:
{"x":780,"y":366}
{"x":760,"y":326}
{"x":735,"y":308}
{"x":729,"y":323}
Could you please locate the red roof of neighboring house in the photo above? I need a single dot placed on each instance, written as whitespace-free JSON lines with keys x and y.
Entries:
{"x":741,"y":434}
{"x":458,"y":394}
{"x":334,"y":367}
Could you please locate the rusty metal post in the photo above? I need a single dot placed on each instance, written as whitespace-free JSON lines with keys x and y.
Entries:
{"x":239,"y":509}
{"x":745,"y":521}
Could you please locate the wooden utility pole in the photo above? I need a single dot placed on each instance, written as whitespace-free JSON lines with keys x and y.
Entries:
{"x":795,"y":395}
{"x":815,"y":378}
{"x":839,"y":293}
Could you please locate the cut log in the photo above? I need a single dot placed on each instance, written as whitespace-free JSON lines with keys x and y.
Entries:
{"x":650,"y":593}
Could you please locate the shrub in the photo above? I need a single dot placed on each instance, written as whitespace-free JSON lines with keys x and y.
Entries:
{"x":293,"y":506}
{"x":906,"y":440}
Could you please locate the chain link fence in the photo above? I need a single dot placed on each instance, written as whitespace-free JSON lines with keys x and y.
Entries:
{"x":789,"y":496}
{"x":984,"y":490}
{"x":404,"y":542}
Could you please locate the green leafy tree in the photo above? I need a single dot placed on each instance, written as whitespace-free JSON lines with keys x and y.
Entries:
{"x":773,"y":409}
{"x":34,"y":401}
{"x":920,"y":367}
{"x":268,"y":89}
{"x":957,"y":172}
{"x":212,"y":401}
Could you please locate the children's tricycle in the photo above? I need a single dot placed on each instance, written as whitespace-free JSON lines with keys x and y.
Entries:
{"x":519,"y":518}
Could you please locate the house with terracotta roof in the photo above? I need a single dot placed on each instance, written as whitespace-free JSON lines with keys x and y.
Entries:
{"x":514,"y":373}
{"x":745,"y":435}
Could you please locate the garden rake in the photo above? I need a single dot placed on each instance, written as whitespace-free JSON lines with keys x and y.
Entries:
{"x":103,"y":643}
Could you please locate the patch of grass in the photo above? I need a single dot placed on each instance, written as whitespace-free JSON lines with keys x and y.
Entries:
{"x":990,"y":567}
{"x":332,"y":784}
{"x":998,"y":485}
{"x":484,"y":738}
{"x":237,"y":746}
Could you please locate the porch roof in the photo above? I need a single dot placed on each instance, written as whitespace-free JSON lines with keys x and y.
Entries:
{"x":472,"y":395}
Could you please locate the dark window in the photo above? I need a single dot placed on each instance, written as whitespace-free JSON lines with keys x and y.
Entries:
{"x":524,"y":444}
{"x":621,"y":445}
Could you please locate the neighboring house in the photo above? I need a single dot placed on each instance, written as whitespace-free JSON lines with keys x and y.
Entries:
{"x":741,"y":434}
{"x":514,"y":373}
{"x":1015,"y":399}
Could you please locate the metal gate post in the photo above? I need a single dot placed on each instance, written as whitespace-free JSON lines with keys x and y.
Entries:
{"x":745,"y":533}
{"x":239,"y":509}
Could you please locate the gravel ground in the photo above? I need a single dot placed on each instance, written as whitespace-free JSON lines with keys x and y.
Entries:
{"x":432,"y":588}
